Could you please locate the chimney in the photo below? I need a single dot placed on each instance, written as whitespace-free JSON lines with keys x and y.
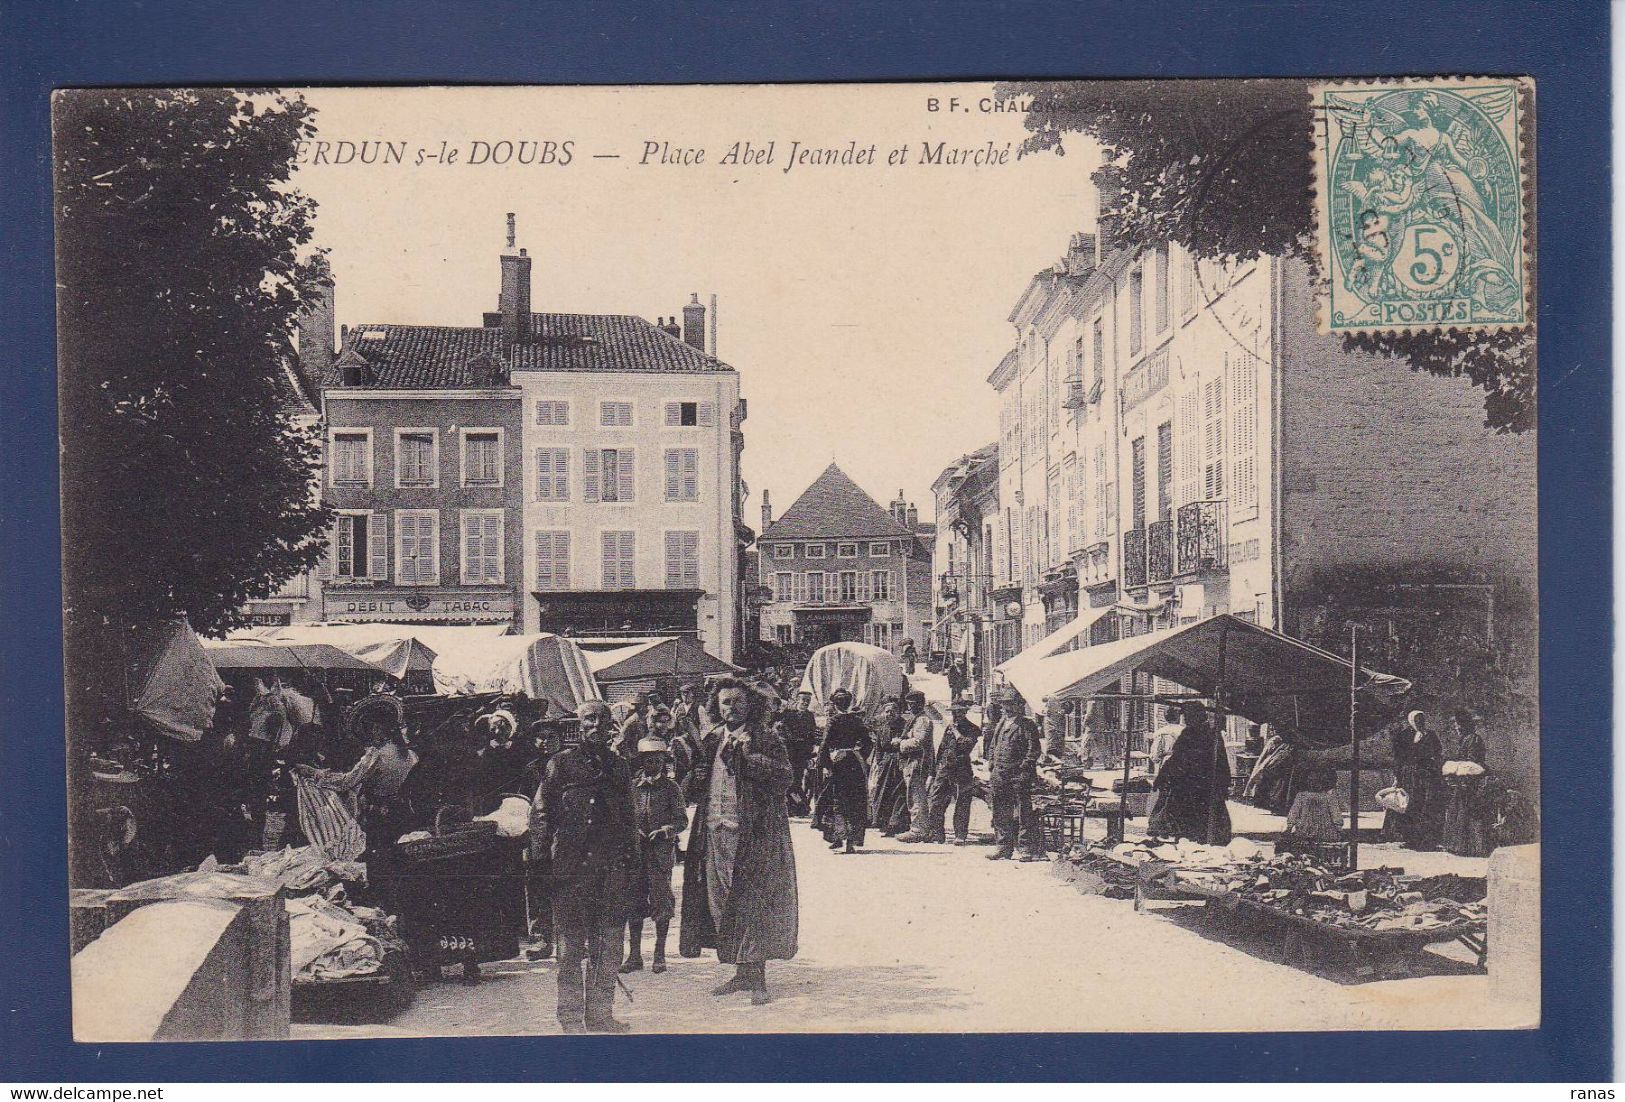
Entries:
{"x":767,"y":510}
{"x":913,"y":518}
{"x":712,"y":342}
{"x":315,"y":331}
{"x":694,"y":323}
{"x":671,"y":327}
{"x":514,"y":302}
{"x":1107,"y":225}
{"x":899,"y":508}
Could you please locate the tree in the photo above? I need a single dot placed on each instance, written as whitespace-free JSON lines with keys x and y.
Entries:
{"x":183,"y":262}
{"x":1224,"y":168}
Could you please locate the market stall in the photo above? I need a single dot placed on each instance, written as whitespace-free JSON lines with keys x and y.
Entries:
{"x":624,"y":668}
{"x":403,"y":652}
{"x":537,"y":667}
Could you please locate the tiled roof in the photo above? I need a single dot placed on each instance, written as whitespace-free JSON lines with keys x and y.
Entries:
{"x":833,"y":507}
{"x":291,"y":397}
{"x":414,"y":357}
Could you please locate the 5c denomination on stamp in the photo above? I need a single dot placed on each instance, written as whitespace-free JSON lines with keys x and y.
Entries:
{"x":1423,"y":203}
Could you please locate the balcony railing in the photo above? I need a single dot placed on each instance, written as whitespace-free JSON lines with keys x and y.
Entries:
{"x":1074,"y":396}
{"x":1159,"y":553}
{"x":1134,"y":558}
{"x":1202,"y":536}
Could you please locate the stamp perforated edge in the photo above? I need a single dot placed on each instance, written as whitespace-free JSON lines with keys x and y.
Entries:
{"x":1523,"y":131}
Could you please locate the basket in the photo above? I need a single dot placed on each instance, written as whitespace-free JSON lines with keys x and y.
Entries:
{"x":465,"y":841}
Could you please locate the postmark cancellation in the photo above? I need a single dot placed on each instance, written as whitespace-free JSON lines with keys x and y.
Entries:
{"x":1423,"y":203}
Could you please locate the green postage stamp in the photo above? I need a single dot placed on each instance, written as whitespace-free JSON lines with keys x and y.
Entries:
{"x":1424,"y":203}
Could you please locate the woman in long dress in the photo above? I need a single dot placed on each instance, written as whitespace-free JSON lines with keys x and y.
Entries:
{"x":1418,"y":769}
{"x":1192,"y":785}
{"x":842,"y":813}
{"x":888,"y":787}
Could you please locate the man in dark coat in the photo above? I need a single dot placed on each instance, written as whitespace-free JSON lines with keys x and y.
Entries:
{"x":583,"y":823}
{"x":1013,"y":766}
{"x":801,"y":740}
{"x":953,"y":780}
{"x":739,"y":874}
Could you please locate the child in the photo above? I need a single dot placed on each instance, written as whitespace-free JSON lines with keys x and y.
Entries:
{"x":1317,"y":813}
{"x":658,"y":806}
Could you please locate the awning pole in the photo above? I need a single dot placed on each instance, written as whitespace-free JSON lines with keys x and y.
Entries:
{"x":1354,"y":749}
{"x":1128,"y":731}
{"x":1215,"y":795}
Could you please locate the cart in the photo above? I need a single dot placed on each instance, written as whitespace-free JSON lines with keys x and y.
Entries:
{"x":458,"y":895}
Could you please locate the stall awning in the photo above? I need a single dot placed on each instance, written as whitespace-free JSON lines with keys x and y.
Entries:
{"x":656,"y":658}
{"x":179,"y":686}
{"x":1027,"y":670}
{"x":1264,"y":674}
{"x":244,"y":655}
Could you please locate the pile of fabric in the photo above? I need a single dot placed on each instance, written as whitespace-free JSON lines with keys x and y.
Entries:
{"x":306,"y":869}
{"x":331,"y":941}
{"x":1104,"y":871}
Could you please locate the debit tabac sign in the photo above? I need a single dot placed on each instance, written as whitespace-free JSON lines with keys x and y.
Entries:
{"x":461,"y":606}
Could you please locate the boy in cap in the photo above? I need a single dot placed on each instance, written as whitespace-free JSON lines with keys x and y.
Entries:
{"x":657,"y":807}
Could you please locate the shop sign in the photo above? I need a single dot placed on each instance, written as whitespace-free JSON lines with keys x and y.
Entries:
{"x":456,"y":606}
{"x":270,"y":619}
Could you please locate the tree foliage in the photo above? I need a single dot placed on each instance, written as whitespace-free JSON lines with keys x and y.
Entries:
{"x":1225,"y":169}
{"x":182,"y":264}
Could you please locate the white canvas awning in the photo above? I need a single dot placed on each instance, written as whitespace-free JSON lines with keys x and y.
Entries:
{"x":1027,"y":671}
{"x":1264,"y":675}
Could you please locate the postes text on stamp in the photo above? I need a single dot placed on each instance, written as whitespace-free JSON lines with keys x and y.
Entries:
{"x":1422,"y":203}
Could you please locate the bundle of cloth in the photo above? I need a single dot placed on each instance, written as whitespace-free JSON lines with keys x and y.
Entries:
{"x":328,"y":941}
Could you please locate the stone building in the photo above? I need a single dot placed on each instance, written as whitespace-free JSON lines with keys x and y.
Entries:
{"x":837,"y":566}
{"x":967,"y":500}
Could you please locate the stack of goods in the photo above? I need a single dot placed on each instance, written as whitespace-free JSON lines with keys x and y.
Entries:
{"x":1376,"y":900}
{"x":1098,"y":869}
{"x":331,"y":937}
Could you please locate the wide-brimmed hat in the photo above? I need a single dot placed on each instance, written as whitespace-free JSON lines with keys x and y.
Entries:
{"x":651,"y":745}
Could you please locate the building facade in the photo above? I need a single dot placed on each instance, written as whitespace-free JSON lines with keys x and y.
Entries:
{"x":839,"y":567}
{"x":1177,"y":440}
{"x":574,"y":473}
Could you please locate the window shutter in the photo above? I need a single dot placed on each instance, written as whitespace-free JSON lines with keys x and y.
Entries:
{"x":491,"y":536}
{"x":690,"y":459}
{"x":674,"y":483}
{"x":432,"y":536}
{"x":626,"y":481}
{"x":324,"y":565}
{"x":610,"y":549}
{"x":707,"y":414}
{"x":674,"y":414}
{"x":589,"y":475}
{"x":378,"y":546}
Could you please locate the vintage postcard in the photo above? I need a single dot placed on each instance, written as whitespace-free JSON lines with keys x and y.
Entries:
{"x":846,"y":558}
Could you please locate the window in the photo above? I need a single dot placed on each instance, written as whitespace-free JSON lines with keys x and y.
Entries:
{"x":878,"y":635}
{"x":482,"y":546}
{"x":1190,"y":440}
{"x":881,"y":580}
{"x":815,"y":587}
{"x":1187,"y":281}
{"x":846,"y":550}
{"x":814,"y":550}
{"x":690,"y":415}
{"x":1053,"y":397}
{"x":1071,"y":481}
{"x":615,"y":415}
{"x":682,"y":474}
{"x":552,"y":561}
{"x":784,"y":588}
{"x":416,"y":452}
{"x":352,"y":458}
{"x":784,"y":550}
{"x":848,"y":585}
{"x":417,"y":547}
{"x":552,"y":474}
{"x":682,"y":560}
{"x":1102,"y":492}
{"x":607,"y":474}
{"x":482,"y":457}
{"x":1165,"y":470}
{"x":360,"y":547}
{"x":620,"y":557}
{"x":1138,"y":476}
{"x":1161,"y":291}
{"x":1136,"y":311}
{"x":1099,"y":339}
{"x":1244,"y":434}
{"x":784,"y":634}
{"x":552,"y":414}
{"x":1213,"y":440}
{"x":880,"y":550}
